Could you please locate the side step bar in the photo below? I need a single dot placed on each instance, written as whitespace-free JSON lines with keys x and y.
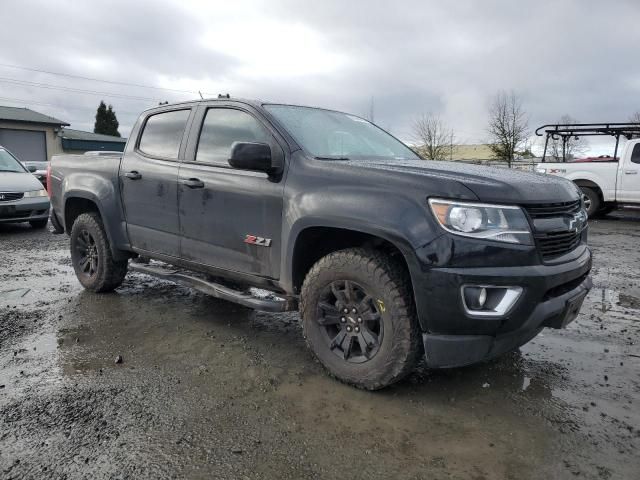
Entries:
{"x":278,"y":304}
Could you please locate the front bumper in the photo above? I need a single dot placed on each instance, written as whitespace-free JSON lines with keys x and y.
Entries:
{"x":24,"y":210}
{"x":551,"y":297}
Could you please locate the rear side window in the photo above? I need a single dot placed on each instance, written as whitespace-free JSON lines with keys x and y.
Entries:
{"x":163,"y":133}
{"x":222,"y":127}
{"x":635,"y":154}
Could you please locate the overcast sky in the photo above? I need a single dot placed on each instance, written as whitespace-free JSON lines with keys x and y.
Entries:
{"x":406,"y":58}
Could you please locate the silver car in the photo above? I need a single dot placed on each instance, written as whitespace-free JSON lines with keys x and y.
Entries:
{"x":22,"y":196}
{"x":39,"y":170}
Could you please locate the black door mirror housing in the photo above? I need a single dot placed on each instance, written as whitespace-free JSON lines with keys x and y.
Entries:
{"x":252,"y":156}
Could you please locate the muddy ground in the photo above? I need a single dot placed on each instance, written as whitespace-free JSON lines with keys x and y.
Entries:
{"x":207,"y":389}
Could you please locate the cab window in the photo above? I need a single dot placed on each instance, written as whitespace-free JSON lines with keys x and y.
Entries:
{"x":163,"y":133}
{"x":224,"y":126}
{"x":635,"y":153}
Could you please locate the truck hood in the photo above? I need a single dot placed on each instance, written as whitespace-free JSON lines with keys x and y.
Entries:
{"x":18,"y":182}
{"x":489,"y":184}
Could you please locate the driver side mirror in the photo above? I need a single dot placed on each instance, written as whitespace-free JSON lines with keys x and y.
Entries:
{"x":252,"y":156}
{"x":31,"y":169}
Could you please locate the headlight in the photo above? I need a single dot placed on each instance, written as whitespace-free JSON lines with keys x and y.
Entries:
{"x":541,"y":170}
{"x":35,"y":193}
{"x":501,"y":223}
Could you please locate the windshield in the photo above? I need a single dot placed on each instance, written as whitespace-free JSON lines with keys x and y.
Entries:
{"x":8,"y":162}
{"x":334,"y":135}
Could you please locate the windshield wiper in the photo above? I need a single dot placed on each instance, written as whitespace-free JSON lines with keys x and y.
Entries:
{"x":332,"y":158}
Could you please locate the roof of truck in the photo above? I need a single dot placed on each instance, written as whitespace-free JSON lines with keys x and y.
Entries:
{"x":252,"y":102}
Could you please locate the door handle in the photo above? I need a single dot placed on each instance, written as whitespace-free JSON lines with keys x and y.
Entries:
{"x":631,"y":172}
{"x":133,"y":175}
{"x":193,"y":183}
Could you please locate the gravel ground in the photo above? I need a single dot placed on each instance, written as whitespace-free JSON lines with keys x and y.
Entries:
{"x":208,"y":389}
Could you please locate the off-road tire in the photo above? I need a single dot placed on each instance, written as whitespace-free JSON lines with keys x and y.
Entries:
{"x":594,"y":201}
{"x":38,"y":224}
{"x":109,"y":273}
{"x":385,"y":281}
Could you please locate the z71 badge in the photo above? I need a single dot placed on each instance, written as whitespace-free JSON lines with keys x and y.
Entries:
{"x":261,"y":241}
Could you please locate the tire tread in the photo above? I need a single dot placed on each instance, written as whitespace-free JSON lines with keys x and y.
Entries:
{"x":113,"y":272}
{"x":392,"y":278}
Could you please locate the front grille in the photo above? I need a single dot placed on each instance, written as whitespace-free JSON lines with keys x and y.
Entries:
{"x":8,"y":196}
{"x":546,"y":210}
{"x":555,"y":244}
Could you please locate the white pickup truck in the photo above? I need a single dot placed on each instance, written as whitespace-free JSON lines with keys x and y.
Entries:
{"x":606,"y":185}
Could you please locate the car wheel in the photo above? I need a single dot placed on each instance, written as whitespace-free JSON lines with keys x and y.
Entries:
{"x":91,"y":255}
{"x":359,"y":319}
{"x":591,"y":201}
{"x":39,"y":223}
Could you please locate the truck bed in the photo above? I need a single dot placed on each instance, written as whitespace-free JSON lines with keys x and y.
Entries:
{"x":604,"y":174}
{"x":96,"y":176}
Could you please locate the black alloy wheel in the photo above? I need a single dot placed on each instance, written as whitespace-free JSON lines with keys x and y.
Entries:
{"x":88,"y":254}
{"x":350,"y":321}
{"x":359,"y":317}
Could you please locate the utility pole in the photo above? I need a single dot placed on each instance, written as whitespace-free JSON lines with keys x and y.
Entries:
{"x":371,"y":116}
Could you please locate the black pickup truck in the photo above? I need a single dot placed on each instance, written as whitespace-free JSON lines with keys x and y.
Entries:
{"x":388,"y":257}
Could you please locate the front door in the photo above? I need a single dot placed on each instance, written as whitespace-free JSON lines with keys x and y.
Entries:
{"x":230,"y":219}
{"x":148,"y":179}
{"x":629,"y":182}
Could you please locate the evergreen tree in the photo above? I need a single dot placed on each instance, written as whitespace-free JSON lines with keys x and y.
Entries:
{"x":101,"y":119}
{"x":106,"y":121}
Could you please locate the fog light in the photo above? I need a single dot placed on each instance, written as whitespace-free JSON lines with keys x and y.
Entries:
{"x":489,"y":300}
{"x":482,"y":298}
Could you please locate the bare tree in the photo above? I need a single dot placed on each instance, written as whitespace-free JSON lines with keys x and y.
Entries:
{"x":433,"y":137}
{"x":573,"y":146}
{"x":635,"y":118}
{"x":508,"y":125}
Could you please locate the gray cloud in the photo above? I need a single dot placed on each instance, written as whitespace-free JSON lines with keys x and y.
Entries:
{"x":575,"y":57}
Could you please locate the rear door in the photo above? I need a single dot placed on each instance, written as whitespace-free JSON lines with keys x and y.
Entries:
{"x":221,"y":208}
{"x":148,"y":179}
{"x":629,"y":177}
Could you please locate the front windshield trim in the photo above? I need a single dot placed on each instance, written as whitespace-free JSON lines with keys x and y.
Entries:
{"x":411,"y":154}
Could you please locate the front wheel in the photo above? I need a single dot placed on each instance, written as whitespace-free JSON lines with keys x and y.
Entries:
{"x":91,"y":255}
{"x":359,"y":318}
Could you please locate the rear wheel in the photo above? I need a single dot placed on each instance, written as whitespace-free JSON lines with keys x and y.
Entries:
{"x":39,"y":223}
{"x":591,"y":201}
{"x":91,"y":255}
{"x":359,"y":318}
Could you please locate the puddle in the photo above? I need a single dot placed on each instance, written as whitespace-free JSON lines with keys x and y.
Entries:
{"x":628,"y":301}
{"x":606,"y":300}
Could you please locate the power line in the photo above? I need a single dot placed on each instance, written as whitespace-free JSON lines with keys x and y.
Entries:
{"x":13,"y":81}
{"x":93,"y":79}
{"x":65,"y":107}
